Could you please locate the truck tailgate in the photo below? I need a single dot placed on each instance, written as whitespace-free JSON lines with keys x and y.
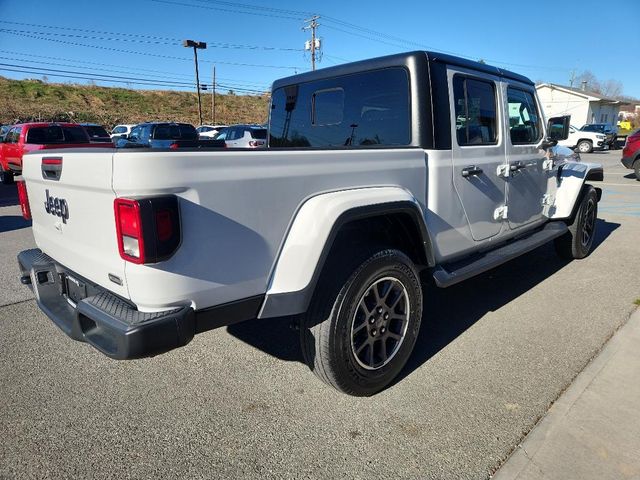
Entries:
{"x":72,"y":210}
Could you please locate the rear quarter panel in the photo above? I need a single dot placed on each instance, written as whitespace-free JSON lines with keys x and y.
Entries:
{"x":236,"y":208}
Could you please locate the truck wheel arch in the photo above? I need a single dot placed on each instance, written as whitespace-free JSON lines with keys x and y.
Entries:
{"x":309,"y":242}
{"x":571,"y":180}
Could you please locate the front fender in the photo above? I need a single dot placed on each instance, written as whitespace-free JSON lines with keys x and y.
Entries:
{"x":569,"y":181}
{"x":311,"y":235}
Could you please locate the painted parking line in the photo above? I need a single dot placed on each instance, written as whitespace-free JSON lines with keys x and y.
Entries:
{"x":618,"y":184}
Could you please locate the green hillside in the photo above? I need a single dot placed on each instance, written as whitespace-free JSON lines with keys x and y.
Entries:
{"x":26,"y":100}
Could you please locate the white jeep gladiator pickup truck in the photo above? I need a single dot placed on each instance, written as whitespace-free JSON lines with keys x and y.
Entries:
{"x":378,"y":173}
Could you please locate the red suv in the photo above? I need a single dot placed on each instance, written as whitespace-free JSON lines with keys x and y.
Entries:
{"x":631,"y":153}
{"x":28,"y":137}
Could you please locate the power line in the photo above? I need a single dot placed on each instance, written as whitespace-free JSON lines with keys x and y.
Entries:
{"x":129,"y":69}
{"x":167,"y":77}
{"x":259,"y":14}
{"x":363,"y":32}
{"x":170,"y":57}
{"x":151,"y":39}
{"x":111,"y":78}
{"x":104,"y":76}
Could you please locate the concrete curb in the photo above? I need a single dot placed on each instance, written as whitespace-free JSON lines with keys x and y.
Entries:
{"x":548,"y":437}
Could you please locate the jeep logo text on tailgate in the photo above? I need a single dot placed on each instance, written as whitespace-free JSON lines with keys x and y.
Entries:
{"x":57,"y":206}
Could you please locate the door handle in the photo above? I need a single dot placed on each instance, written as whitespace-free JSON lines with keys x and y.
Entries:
{"x":471,"y":170}
{"x":514,"y":167}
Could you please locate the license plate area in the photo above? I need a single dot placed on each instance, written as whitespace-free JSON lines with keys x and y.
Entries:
{"x":72,"y":288}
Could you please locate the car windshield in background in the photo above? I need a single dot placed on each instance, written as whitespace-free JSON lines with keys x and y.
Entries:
{"x":96,"y":131}
{"x":181,"y":131}
{"x":259,"y":133}
{"x":56,"y":134}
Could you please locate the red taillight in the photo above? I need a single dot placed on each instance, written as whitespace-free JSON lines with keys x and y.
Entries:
{"x":255,"y":143}
{"x":148,"y":229}
{"x":24,"y":200}
{"x":174,"y":146}
{"x":129,"y":230}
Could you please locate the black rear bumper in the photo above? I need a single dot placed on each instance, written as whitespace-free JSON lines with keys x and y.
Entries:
{"x":102,"y":319}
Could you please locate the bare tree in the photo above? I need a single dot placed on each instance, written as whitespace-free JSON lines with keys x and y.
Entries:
{"x":592,"y":82}
{"x":612,"y":88}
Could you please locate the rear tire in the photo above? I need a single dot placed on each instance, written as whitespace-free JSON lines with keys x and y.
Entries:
{"x":6,"y":178}
{"x":584,"y":146}
{"x":636,"y":169}
{"x":363,"y":322}
{"x":577,"y":242}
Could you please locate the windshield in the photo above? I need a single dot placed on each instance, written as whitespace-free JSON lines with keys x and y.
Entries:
{"x":56,"y":134}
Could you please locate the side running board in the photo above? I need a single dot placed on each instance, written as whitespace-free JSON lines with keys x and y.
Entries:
{"x":450,"y":274}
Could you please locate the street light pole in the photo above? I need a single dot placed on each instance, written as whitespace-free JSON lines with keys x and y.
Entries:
{"x":196,"y":45}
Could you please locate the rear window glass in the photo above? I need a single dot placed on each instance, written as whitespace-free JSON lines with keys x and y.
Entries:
{"x":56,"y":134}
{"x":180,"y":131}
{"x":359,"y":110}
{"x":259,"y":133}
{"x":96,"y":131}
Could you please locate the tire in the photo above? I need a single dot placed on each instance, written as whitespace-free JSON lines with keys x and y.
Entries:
{"x":584,"y":146}
{"x":6,"y":178}
{"x":353,"y":337}
{"x":636,"y":169}
{"x":577,"y":242}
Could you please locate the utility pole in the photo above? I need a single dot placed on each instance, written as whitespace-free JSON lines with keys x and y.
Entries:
{"x":213,"y":98}
{"x":312,"y":24}
{"x":196,"y":46}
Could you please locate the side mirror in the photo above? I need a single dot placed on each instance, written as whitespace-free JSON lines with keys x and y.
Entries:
{"x":557,"y":129}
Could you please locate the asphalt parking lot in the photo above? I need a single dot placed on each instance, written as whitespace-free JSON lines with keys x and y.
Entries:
{"x":493,"y":354}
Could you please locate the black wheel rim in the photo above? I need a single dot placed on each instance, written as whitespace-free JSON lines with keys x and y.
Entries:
{"x":380,"y":323}
{"x":588,"y":223}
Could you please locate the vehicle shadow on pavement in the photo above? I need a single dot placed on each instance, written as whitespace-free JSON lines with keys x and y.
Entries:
{"x":448,"y":312}
{"x":630,"y":176}
{"x":13,"y":222}
{"x":8,"y":195}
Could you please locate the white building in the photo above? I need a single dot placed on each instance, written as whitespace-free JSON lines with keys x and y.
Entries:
{"x":584,"y":106}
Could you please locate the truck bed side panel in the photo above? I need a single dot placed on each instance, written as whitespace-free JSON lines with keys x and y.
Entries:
{"x":236,"y":208}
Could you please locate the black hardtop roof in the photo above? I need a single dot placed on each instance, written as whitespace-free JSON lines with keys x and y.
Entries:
{"x":400,"y":59}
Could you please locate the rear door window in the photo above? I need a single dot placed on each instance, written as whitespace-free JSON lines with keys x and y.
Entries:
{"x":358,"y":110}
{"x":53,"y":134}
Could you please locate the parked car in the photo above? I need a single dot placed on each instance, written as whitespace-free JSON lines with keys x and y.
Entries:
{"x":631,"y":153}
{"x":97,"y":133}
{"x":29,"y":137}
{"x":210,"y":131}
{"x":244,"y":136}
{"x":120,"y":131}
{"x":160,"y":247}
{"x":585,"y":141}
{"x":609,"y":131}
{"x":165,"y":135}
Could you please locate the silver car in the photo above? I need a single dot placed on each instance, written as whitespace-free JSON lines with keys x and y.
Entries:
{"x":244,"y":136}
